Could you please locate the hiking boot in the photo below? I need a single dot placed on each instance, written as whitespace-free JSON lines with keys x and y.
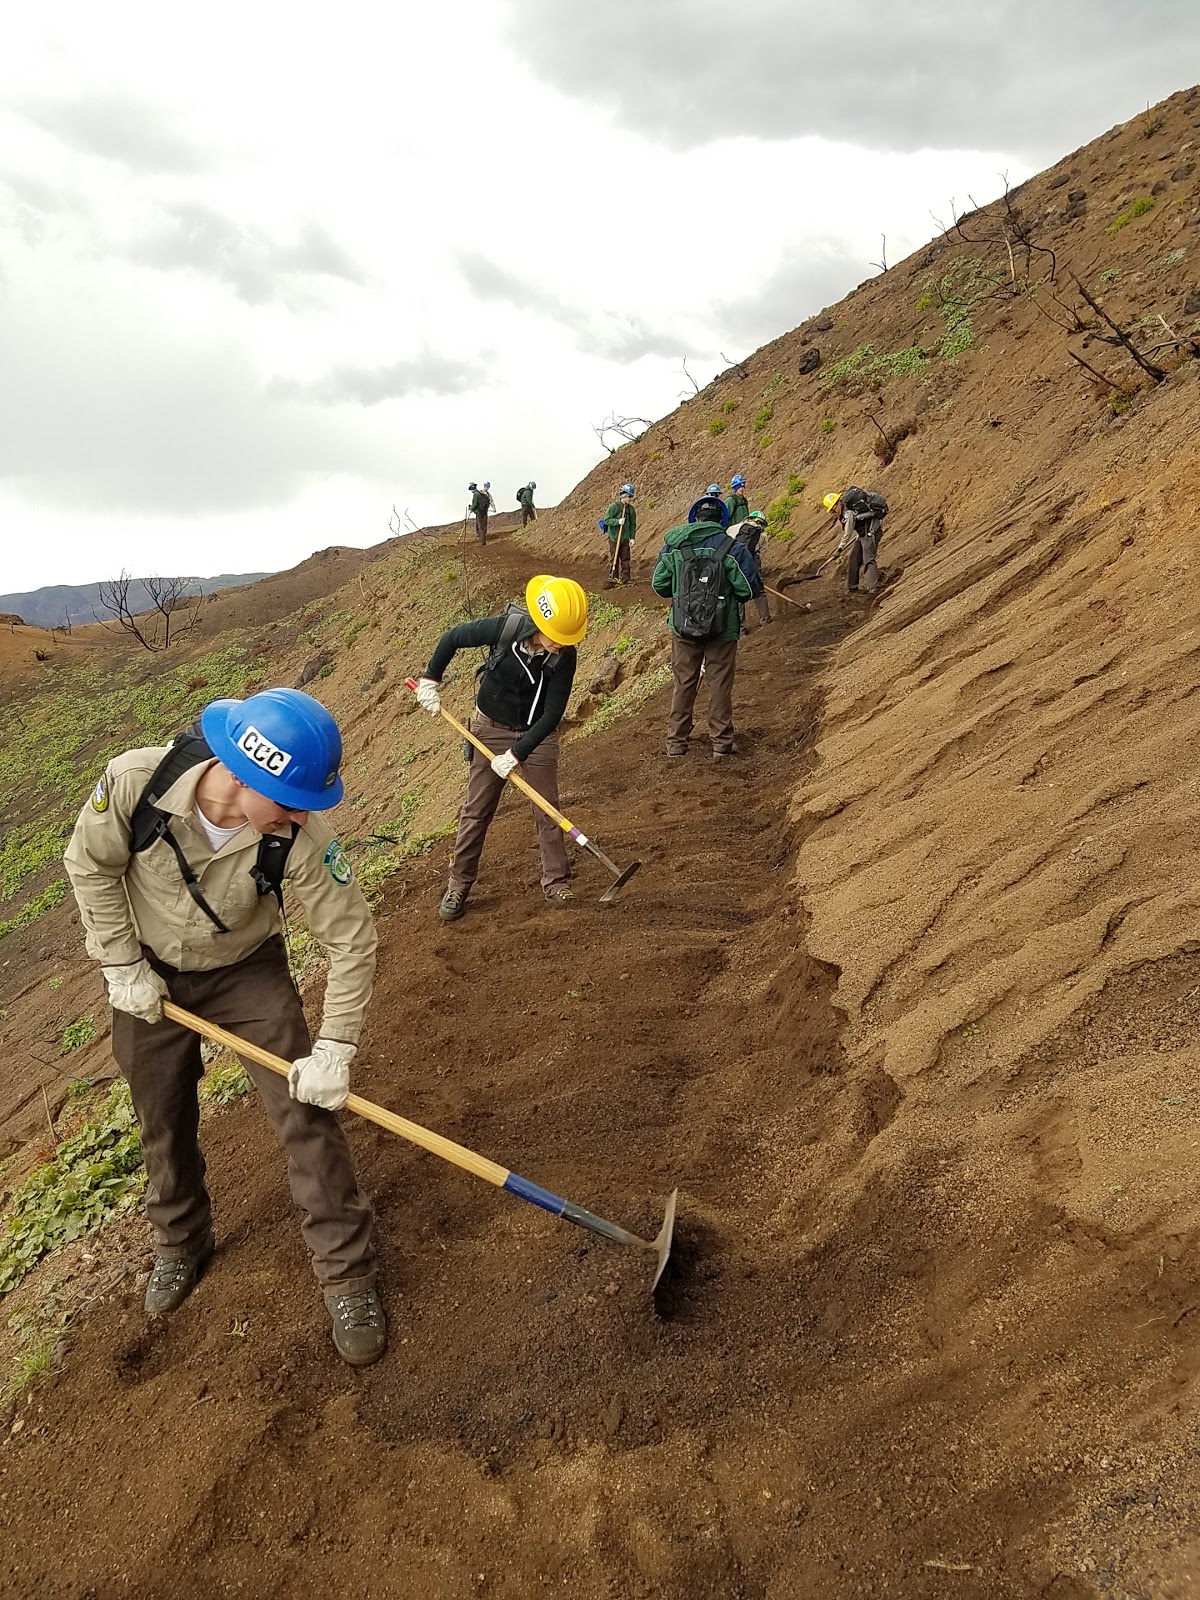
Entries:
{"x":454,"y":903}
{"x":561,"y":896}
{"x":359,"y":1325}
{"x":675,"y":752}
{"x":173,"y":1279}
{"x":719,"y":755}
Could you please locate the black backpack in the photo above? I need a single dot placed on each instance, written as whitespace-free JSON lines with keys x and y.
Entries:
{"x":148,"y":824}
{"x":698,"y":605}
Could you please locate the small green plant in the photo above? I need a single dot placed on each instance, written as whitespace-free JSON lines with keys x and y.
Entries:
{"x":779,"y":512}
{"x":656,"y":455}
{"x":971,"y":1031}
{"x":52,"y":896}
{"x":795,"y":483}
{"x":624,"y":645}
{"x":773,"y":385}
{"x":450,"y":575}
{"x":761,"y":417}
{"x":1173,"y":258}
{"x":717,"y":425}
{"x":95,"y":1173}
{"x":225,"y":1081}
{"x":80,"y":1088}
{"x":901,"y":363}
{"x":625,"y":700}
{"x":78,"y":1033}
{"x":925,"y":300}
{"x":54,"y":983}
{"x":826,"y":425}
{"x":765,"y":441}
{"x":37,"y":1353}
{"x":602,"y":612}
{"x":1139,"y":208}
{"x":354,"y":632}
{"x":326,"y":671}
{"x":1119,"y":401}
{"x":1109,"y":275}
{"x":730,"y":407}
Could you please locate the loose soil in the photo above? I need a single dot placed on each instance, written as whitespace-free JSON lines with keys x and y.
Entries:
{"x":904,"y":1000}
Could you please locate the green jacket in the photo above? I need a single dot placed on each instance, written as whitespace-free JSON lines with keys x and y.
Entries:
{"x":612,"y":521}
{"x":670,"y":560}
{"x":737,"y":506}
{"x":525,"y":496}
{"x":479,"y":502}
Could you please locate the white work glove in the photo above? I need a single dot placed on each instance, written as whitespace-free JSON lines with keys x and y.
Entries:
{"x":503,"y":765}
{"x":323,"y":1078}
{"x":137,"y":989}
{"x":428,"y":697}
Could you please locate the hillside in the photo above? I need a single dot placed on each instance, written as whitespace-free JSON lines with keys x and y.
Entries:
{"x":79,"y":603}
{"x":904,"y":1004}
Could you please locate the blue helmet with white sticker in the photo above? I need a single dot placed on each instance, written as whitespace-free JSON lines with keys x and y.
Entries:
{"x":737,"y":481}
{"x":709,"y":508}
{"x":626,"y":488}
{"x":281,"y":743}
{"x":713,"y":488}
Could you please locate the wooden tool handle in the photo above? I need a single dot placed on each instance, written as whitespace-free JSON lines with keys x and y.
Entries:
{"x":456,"y":1154}
{"x":526,"y":789}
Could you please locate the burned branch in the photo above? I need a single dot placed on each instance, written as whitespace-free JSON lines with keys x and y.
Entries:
{"x":882,"y":262}
{"x":1155,"y":373}
{"x":625,"y":428}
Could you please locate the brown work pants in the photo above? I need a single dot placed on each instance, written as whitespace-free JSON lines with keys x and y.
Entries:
{"x":161,"y":1062}
{"x":718,"y":657}
{"x":481,"y":526}
{"x":528,"y":514}
{"x":540,"y":770}
{"x":618,"y":561}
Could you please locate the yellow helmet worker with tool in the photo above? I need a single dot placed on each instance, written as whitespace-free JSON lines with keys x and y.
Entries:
{"x":521,"y":694}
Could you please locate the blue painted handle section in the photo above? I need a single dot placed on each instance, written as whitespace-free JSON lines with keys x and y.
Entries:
{"x":535,"y":1194}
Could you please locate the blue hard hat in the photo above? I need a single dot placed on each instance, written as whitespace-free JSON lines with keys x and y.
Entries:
{"x":713,"y":488}
{"x":487,"y":483}
{"x":281,"y":743}
{"x":737,"y":481}
{"x":709,"y":508}
{"x":626,"y":488}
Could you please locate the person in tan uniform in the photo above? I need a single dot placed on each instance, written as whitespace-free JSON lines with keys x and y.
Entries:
{"x":186,"y":909}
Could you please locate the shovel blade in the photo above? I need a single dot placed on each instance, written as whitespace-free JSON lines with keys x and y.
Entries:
{"x":614,"y":888}
{"x":663,"y":1239}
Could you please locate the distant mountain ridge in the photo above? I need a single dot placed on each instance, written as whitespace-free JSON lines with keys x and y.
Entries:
{"x":80,"y":602}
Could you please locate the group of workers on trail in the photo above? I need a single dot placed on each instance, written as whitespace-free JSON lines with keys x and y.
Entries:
{"x":483,"y":502}
{"x":178,"y":857}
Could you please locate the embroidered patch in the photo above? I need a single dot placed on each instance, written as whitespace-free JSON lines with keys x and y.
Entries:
{"x":338,"y":862}
{"x":100,"y":794}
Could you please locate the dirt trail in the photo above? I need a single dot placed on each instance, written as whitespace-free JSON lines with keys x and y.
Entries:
{"x":592,"y":1051}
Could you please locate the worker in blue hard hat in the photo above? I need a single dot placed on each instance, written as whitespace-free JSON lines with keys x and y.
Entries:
{"x":619,"y":525}
{"x":177,"y":862}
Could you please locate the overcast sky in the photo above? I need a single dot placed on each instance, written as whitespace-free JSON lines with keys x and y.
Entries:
{"x":267,"y":270}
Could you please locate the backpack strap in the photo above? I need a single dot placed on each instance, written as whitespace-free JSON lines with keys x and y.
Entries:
{"x":149,"y":824}
{"x":514,"y":617}
{"x":271,"y":864}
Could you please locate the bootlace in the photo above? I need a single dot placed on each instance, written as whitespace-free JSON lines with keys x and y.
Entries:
{"x":169,"y":1274}
{"x":358,"y":1310}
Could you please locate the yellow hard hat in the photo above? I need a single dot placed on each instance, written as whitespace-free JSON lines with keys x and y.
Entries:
{"x":831,"y":500}
{"x":558,"y":606}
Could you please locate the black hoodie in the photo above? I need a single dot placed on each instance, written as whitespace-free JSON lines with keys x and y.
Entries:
{"x":523,"y":691}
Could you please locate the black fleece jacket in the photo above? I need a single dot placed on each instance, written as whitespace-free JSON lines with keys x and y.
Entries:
{"x":523,"y":691}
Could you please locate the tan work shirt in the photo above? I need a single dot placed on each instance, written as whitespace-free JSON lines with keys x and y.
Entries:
{"x":127,"y":901}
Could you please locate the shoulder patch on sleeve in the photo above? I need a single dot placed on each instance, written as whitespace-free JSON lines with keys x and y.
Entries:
{"x":100,"y":794}
{"x":338,"y":862}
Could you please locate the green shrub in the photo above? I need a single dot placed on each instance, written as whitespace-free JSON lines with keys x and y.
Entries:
{"x":827,"y":425}
{"x":795,"y":483}
{"x":225,"y":1081}
{"x":1109,"y":275}
{"x":1139,"y":208}
{"x":730,"y":407}
{"x":716,"y":426}
{"x":761,"y":417}
{"x":925,"y":301}
{"x":95,"y":1173}
{"x":765,"y":441}
{"x":602,"y":612}
{"x":78,"y":1033}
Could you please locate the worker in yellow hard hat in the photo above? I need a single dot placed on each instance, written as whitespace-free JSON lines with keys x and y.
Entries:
{"x":861,"y":513}
{"x":521,"y":695}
